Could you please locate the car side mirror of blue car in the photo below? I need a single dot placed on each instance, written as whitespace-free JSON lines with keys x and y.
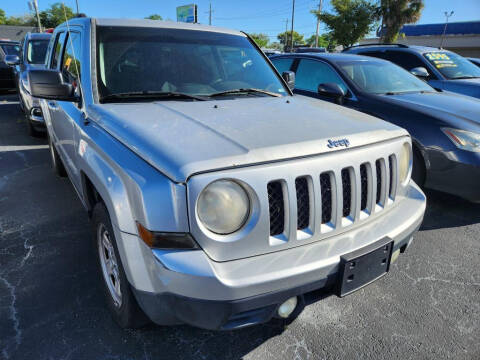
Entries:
{"x":420,"y":72}
{"x":332,"y":91}
{"x":289,"y":77}
{"x":48,"y":84}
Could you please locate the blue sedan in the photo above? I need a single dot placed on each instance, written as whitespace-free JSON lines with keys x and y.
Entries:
{"x":445,"y":127}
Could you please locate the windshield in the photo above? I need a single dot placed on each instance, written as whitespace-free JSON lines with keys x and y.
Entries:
{"x":36,"y":51}
{"x":452,"y":66}
{"x":10,"y":49}
{"x":379,"y":77}
{"x":181,"y":61}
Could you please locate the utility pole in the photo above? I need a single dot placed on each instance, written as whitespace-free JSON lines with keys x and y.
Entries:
{"x":77,"y":6}
{"x":35,"y":5}
{"x":210,"y":11}
{"x":318,"y":22}
{"x":447,"y":15}
{"x":293,"y":16}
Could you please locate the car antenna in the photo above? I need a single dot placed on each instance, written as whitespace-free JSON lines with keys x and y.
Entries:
{"x":79,"y":83}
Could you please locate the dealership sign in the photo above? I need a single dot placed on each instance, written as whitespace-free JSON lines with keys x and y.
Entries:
{"x":187,"y":13}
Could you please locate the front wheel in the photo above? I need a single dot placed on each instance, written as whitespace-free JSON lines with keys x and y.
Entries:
{"x":118,"y":294}
{"x":418,"y":169}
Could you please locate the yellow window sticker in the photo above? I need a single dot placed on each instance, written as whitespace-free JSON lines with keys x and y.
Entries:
{"x":437,"y":56}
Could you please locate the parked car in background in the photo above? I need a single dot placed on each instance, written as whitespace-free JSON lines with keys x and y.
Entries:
{"x":475,"y":61}
{"x":445,"y":127}
{"x":442,"y":69}
{"x":217,"y":198}
{"x":7,"y":76}
{"x":32,"y":56}
{"x":307,"y":49}
{"x":270,"y":52}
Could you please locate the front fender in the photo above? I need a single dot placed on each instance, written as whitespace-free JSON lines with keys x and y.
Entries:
{"x":131,"y":189}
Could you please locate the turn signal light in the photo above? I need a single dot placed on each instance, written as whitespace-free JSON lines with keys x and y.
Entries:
{"x":166,"y":240}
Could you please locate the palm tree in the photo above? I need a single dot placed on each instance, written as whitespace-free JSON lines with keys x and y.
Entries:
{"x":395,"y":14}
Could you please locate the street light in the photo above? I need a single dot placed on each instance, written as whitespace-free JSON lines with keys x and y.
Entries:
{"x":447,"y":15}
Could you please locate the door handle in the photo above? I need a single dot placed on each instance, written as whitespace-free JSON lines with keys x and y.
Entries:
{"x":52,"y":105}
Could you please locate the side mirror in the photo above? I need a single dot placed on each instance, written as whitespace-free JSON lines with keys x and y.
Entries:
{"x":48,"y":84}
{"x":421,"y":72}
{"x":12,"y":60}
{"x":332,"y":91}
{"x":289,"y":77}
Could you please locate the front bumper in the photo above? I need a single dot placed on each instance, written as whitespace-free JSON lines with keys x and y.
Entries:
{"x":456,"y":173}
{"x":186,"y":286}
{"x":31,"y":107}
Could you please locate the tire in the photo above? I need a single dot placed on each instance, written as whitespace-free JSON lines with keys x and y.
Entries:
{"x":116,"y":288}
{"x":418,"y":170}
{"x":57,"y":164}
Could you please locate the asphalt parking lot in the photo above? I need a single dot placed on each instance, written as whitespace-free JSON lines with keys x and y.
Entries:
{"x":427,"y":307}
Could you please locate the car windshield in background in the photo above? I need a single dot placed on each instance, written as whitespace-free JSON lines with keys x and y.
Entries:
{"x":36,"y":51}
{"x":10,"y":49}
{"x":377,"y":77}
{"x":202,"y":63}
{"x":452,"y":66}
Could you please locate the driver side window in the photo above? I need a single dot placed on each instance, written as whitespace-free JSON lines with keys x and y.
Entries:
{"x":311,"y":73}
{"x":57,"y":48}
{"x":70,"y":61}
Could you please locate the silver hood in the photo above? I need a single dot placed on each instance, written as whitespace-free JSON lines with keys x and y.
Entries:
{"x":182,"y":138}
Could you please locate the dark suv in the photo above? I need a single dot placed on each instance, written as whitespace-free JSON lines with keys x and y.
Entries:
{"x":7,"y":77}
{"x":442,"y":69}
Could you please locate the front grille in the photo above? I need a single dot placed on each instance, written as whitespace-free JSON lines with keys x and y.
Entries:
{"x":276,"y":208}
{"x":364,"y":186}
{"x":303,"y":203}
{"x":373,"y":180}
{"x":326,"y":192}
{"x":347,"y":192}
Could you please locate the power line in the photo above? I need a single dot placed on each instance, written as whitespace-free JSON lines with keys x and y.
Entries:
{"x":269,"y":13}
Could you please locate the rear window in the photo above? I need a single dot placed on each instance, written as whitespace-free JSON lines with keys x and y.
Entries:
{"x":36,"y":51}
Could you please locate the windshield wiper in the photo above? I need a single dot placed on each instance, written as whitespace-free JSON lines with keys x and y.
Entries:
{"x":407,"y":92}
{"x":136,"y":95}
{"x":465,"y":77}
{"x":244,"y":91}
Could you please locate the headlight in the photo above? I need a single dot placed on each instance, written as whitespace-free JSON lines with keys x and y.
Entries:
{"x":405,"y":162}
{"x":223,"y":207}
{"x":465,"y":140}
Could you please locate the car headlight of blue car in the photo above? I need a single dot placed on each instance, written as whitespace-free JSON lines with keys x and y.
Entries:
{"x":465,"y":140}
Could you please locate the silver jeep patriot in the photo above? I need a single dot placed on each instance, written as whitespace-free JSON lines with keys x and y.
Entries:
{"x":218,"y":199}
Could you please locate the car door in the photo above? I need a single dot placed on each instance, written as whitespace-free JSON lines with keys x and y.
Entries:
{"x":310,"y":73}
{"x":68,"y":113}
{"x":57,"y":125}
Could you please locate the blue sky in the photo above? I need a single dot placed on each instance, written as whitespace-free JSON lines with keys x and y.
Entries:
{"x":267,"y":16}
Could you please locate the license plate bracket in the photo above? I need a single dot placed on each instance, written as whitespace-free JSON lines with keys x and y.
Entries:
{"x":363,"y":266}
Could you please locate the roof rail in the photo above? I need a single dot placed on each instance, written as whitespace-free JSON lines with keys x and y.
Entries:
{"x":376,"y":44}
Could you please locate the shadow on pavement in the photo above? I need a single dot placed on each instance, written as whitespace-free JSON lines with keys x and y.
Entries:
{"x":448,"y":211}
